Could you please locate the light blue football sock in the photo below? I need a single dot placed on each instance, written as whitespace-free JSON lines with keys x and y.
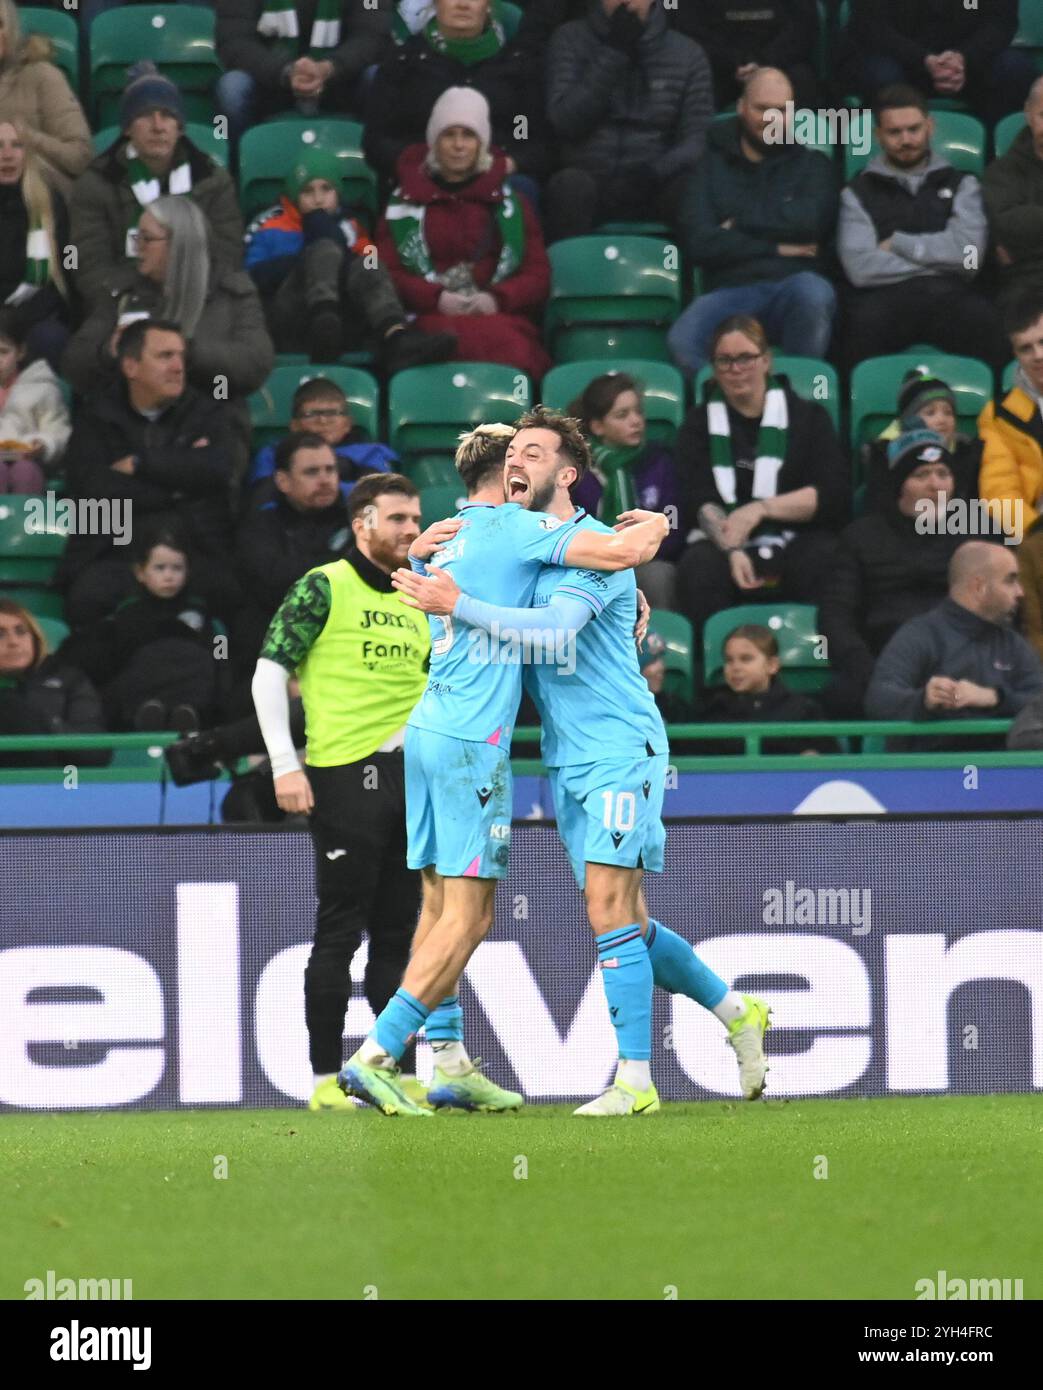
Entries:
{"x":676,"y":967}
{"x":400,"y":1020}
{"x":626,"y":973}
{"x":446,"y":1022}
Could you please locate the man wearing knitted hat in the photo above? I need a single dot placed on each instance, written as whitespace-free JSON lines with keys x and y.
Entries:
{"x":890,"y":567}
{"x":923,"y":398}
{"x":152,"y":156}
{"x":312,"y":260}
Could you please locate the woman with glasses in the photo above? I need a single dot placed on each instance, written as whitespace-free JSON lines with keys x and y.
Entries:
{"x":229,"y":351}
{"x":764,"y":481}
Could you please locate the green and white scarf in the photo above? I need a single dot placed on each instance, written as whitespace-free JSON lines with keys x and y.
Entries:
{"x":279,"y":21}
{"x":467,"y":51}
{"x":406,"y":221}
{"x":147,"y":187}
{"x":771,"y":443}
{"x":612,"y":469}
{"x":37,"y":269}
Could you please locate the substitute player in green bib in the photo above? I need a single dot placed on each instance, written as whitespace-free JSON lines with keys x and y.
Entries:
{"x":361,"y":656}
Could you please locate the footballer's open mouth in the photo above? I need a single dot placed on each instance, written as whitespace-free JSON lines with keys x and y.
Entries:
{"x":519,"y":488}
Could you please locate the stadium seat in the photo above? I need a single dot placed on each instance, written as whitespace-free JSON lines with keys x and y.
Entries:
{"x":179,"y":39}
{"x":1007,"y":131}
{"x":1030,"y":29}
{"x":41,"y":602}
{"x":439,"y":500}
{"x":795,"y":627}
{"x":1008,"y":376}
{"x":198,"y":132}
{"x":811,"y":377}
{"x":267,"y":153}
{"x":676,"y":632}
{"x":612,"y":296}
{"x":27,"y":556}
{"x":875,"y":383}
{"x":271,"y":406}
{"x":433,"y":470}
{"x":53,"y":629}
{"x":663,"y":386}
{"x":429,"y":407}
{"x":64,"y":34}
{"x":958,"y":136}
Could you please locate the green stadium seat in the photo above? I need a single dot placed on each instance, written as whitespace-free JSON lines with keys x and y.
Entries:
{"x":41,"y":602}
{"x":179,"y":39}
{"x":439,"y":500}
{"x":795,"y":627}
{"x":612,"y":296}
{"x":429,"y":407}
{"x":27,"y":556}
{"x":875,"y":383}
{"x":268,"y":151}
{"x":64,"y":34}
{"x":198,"y":132}
{"x":676,"y":632}
{"x":271,"y":406}
{"x":1030,"y":29}
{"x":433,"y":470}
{"x":958,"y":136}
{"x":1007,"y":131}
{"x":53,"y":629}
{"x":663,"y":387}
{"x":811,"y":377}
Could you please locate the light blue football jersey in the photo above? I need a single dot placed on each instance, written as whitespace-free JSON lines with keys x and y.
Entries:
{"x":603,"y":708}
{"x":474,"y":687}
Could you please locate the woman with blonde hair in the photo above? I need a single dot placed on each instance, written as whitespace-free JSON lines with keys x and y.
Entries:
{"x":40,"y":693}
{"x":36,"y":94}
{"x":34,"y":227}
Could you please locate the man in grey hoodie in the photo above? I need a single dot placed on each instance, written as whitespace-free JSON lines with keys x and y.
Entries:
{"x":912,"y":238}
{"x":961,"y":660}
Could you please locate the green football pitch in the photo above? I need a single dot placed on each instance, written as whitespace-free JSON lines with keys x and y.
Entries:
{"x":795,"y":1199}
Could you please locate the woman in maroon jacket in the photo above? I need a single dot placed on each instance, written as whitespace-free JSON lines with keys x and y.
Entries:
{"x":466,"y":253}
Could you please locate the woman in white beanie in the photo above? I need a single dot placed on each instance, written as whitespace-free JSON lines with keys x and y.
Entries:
{"x":465,"y":251}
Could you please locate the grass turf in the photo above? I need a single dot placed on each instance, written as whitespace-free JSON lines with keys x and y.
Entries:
{"x":718,"y":1200}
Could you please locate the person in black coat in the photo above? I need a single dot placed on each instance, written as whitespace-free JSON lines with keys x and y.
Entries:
{"x":765,"y":481}
{"x":305,"y":525}
{"x":755,"y":694}
{"x":147,"y":446}
{"x":737,"y":39}
{"x":408,"y":84}
{"x":42,"y":694}
{"x":283,"y":62}
{"x":946,"y":48}
{"x":160,"y":659}
{"x":889,"y":568}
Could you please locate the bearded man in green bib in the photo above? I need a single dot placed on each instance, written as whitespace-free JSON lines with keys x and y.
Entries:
{"x":360,"y":655}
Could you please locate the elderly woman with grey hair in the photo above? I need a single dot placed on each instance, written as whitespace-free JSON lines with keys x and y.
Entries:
{"x":229,"y":351}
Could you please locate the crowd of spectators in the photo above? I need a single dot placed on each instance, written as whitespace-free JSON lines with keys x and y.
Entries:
{"x":138,"y":314}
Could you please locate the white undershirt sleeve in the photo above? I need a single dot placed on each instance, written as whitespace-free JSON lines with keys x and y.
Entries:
{"x":272,"y":703}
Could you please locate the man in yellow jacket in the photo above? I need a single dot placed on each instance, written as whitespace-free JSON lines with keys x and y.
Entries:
{"x":1012,"y":460}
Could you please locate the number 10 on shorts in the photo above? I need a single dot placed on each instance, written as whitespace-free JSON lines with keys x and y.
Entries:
{"x":620,"y":810}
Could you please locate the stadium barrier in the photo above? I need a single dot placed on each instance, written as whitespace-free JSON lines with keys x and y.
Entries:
{"x":163,"y":968}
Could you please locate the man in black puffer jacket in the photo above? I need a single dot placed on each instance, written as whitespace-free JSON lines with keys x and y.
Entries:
{"x":152,"y":446}
{"x":888,"y":569}
{"x":631,"y":102}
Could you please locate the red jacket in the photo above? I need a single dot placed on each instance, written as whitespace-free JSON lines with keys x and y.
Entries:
{"x":459,"y":225}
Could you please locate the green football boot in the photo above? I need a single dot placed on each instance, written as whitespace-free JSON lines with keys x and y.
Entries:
{"x":471,"y":1090}
{"x":380,"y":1087}
{"x":746,"y":1038}
{"x":621,"y":1099}
{"x":328,"y":1096}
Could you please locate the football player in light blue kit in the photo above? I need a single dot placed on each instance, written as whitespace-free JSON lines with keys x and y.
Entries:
{"x":605,"y":748}
{"x":458,"y":776}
